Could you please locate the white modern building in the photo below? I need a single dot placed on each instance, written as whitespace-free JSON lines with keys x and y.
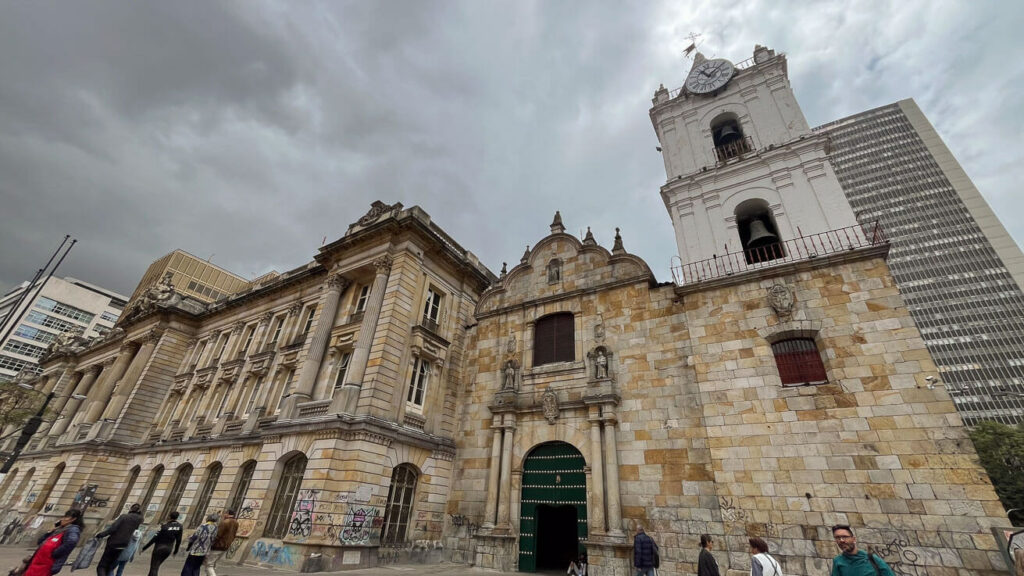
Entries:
{"x":62,"y":305}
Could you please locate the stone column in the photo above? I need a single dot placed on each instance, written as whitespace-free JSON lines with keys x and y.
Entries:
{"x":491,"y":504}
{"x":60,"y":401}
{"x":349,"y":397}
{"x":99,"y":397}
{"x":611,"y":461}
{"x":321,"y":338}
{"x":70,"y":407}
{"x":127,"y":384}
{"x":596,"y":472}
{"x":505,"y":496}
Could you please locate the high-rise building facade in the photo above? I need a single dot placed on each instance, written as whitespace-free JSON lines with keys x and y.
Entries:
{"x":958,"y":270}
{"x":194,"y":276}
{"x":62,"y":305}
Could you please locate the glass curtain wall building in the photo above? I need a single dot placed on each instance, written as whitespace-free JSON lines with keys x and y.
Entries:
{"x":958,"y":270}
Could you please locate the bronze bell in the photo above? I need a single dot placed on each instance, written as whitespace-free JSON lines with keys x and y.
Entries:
{"x":728,"y":135}
{"x":760,"y":236}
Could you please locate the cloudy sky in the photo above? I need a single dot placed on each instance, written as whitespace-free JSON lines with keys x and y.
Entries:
{"x":248,"y":132}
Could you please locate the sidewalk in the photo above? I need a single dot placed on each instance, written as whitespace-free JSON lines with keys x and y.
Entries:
{"x":10,"y":556}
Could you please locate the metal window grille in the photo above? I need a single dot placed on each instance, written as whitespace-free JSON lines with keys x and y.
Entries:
{"x":399,"y":506}
{"x":177,"y":489}
{"x":798,"y":361}
{"x":199,"y":509}
{"x":284,"y":499}
{"x":244,"y":478}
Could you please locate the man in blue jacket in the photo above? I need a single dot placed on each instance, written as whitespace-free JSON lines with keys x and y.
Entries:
{"x":644,"y":549}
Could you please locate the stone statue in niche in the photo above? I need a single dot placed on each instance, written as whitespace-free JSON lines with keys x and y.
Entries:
{"x":601,"y":362}
{"x":510,"y":346}
{"x":600,"y":359}
{"x":549,"y":403}
{"x":509,"y":373}
{"x":554,"y":271}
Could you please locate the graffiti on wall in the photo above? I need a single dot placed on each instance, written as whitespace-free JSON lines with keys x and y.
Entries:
{"x":301,"y":525}
{"x":274,"y":552}
{"x":246,"y":516}
{"x":361,"y":524}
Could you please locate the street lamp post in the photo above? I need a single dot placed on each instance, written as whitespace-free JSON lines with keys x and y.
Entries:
{"x":31,"y":427}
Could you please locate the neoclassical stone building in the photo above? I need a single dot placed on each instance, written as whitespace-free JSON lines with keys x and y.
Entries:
{"x":394,"y":400}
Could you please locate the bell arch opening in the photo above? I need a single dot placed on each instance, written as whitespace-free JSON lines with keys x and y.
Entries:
{"x":553,"y":507}
{"x":759,"y":233}
{"x":728,"y":138}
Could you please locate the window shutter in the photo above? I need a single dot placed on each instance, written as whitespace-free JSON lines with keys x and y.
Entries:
{"x":798,"y":361}
{"x":565,"y":341}
{"x":554,"y":339}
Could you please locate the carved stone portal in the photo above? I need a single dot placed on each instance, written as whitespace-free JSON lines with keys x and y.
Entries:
{"x":549,"y":402}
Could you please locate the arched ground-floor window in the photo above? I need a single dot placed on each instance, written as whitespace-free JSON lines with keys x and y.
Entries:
{"x":399,"y":505}
{"x":285,"y":497}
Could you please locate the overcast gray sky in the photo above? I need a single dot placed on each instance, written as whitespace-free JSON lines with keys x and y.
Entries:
{"x":249,"y":131}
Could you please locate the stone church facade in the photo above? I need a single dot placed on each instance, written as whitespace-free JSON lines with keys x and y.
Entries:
{"x":393,"y":400}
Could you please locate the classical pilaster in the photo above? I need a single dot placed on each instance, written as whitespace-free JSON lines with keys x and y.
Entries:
{"x":349,"y":397}
{"x":70,"y":406}
{"x":597,"y":503}
{"x":491,"y":505}
{"x":611,"y":461}
{"x":131,"y":377}
{"x":100,"y":394}
{"x":505,"y":495}
{"x":336,"y":284}
{"x":65,"y":383}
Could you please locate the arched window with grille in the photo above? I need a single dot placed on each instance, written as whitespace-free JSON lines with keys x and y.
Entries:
{"x":154,"y":481}
{"x":237,"y":500}
{"x":799,"y":361}
{"x":554,"y":339}
{"x":399,"y":505}
{"x":44,"y":494}
{"x":133,"y":477}
{"x":209,"y":485}
{"x":285,"y":497}
{"x":177,"y":489}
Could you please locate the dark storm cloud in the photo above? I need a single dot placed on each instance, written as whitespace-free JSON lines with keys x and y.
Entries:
{"x":251,"y":131}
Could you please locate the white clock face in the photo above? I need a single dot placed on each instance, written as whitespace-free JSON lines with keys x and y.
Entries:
{"x":709,"y":76}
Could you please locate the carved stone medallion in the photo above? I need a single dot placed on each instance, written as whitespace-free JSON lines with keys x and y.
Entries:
{"x":377,"y":209}
{"x":549,"y":402}
{"x":780,"y":298}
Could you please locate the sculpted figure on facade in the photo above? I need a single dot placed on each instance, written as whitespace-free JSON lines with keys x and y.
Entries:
{"x":780,"y":298}
{"x":511,"y":372}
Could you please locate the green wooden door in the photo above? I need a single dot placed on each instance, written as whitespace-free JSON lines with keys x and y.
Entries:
{"x":552,"y":476}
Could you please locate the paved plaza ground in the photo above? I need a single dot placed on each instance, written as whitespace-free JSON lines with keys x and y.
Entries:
{"x":11,"y":555}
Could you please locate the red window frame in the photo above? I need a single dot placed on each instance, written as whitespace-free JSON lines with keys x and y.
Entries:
{"x":799,"y":361}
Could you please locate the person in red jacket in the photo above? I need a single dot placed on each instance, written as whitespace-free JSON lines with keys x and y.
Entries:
{"x":56,"y":545}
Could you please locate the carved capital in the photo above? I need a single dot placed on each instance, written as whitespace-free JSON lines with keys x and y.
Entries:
{"x":95,"y":368}
{"x":128,"y":347}
{"x":295,"y":308}
{"x":153,"y":336}
{"x":237,"y":327}
{"x":109,"y":361}
{"x":383,"y":264}
{"x":266,"y":318}
{"x":337,"y":282}
{"x":191,"y":343}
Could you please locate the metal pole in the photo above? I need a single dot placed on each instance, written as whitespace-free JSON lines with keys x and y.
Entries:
{"x":10,"y":327}
{"x":30,"y":428}
{"x":30,"y":287}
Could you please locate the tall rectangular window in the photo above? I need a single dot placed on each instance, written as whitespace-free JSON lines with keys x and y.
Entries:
{"x":418,"y":383}
{"x":554,"y":339}
{"x":253,"y":395}
{"x":278,"y":326}
{"x":432,"y":309}
{"x":342,"y":370}
{"x":364,"y":293}
{"x":249,"y":333}
{"x":220,"y":349}
{"x":799,"y":362}
{"x":309,"y":319}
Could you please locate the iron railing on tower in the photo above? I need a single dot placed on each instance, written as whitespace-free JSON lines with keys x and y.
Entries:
{"x":797,"y":249}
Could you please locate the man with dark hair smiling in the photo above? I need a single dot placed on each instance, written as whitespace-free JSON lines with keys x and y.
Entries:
{"x":853,"y":562}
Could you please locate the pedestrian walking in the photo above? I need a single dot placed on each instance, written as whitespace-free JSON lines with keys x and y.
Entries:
{"x":165,"y":541}
{"x":854,"y":562}
{"x":226,"y":531}
{"x":55,"y":546}
{"x":645,"y":553}
{"x":707,"y":565}
{"x":119,"y":536}
{"x":128,"y":554}
{"x":199,"y":544}
{"x":761,"y":562}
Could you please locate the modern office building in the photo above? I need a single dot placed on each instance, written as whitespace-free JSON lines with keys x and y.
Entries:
{"x":957,"y":268}
{"x":194,"y":276}
{"x":63,"y":305}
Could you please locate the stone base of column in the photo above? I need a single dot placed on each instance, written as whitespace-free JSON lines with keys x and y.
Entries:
{"x":610,"y":556}
{"x":347,"y":399}
{"x":289,"y":409}
{"x":496,"y":552}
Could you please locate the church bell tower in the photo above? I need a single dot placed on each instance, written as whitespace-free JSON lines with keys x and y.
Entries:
{"x":749,"y":183}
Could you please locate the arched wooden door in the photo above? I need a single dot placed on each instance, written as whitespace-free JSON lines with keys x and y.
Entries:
{"x":553,"y":507}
